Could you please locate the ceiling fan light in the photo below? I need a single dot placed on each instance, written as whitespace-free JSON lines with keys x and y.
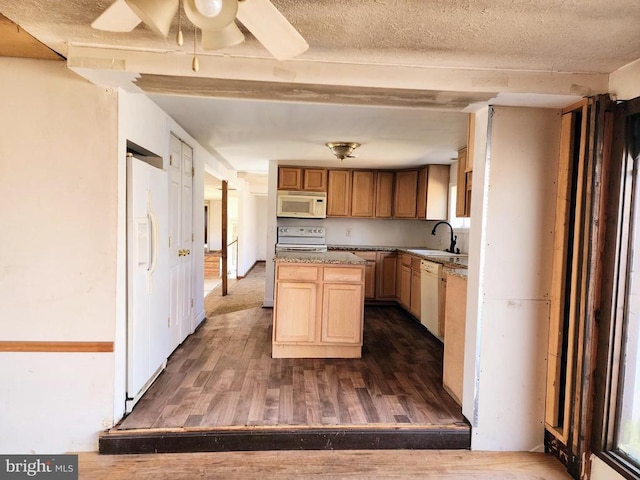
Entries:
{"x":229,"y":36}
{"x":209,"y":8}
{"x":226,"y":15}
{"x":156,"y":14}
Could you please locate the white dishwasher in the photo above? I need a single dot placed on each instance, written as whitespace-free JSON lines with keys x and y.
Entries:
{"x":430,"y":273}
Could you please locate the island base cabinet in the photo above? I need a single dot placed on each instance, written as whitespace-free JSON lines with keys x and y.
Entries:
{"x":340,"y":305}
{"x":318,"y":311}
{"x":297,"y":312}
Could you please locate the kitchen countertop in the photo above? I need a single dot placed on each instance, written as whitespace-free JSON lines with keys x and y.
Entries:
{"x":447,"y":259}
{"x":344,"y":258}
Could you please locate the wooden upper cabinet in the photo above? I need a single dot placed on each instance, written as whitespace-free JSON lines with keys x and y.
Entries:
{"x":339,"y":193}
{"x":406,"y":194}
{"x":314,"y":179}
{"x":471,"y":140}
{"x":433,"y":192}
{"x":363,"y":193}
{"x":463,"y":193}
{"x":289,"y":178}
{"x":384,"y":194}
{"x":298,"y":178}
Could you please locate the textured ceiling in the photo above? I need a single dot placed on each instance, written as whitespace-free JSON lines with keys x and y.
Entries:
{"x":550,"y":35}
{"x":377,"y":71}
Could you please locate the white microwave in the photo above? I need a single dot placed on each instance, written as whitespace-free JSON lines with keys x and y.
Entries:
{"x":302,"y":204}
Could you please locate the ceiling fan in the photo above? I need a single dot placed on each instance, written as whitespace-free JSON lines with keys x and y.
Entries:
{"x":216,"y":20}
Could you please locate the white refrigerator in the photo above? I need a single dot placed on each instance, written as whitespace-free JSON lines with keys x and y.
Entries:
{"x":147,"y":276}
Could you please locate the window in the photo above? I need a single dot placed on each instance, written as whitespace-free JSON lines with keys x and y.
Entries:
{"x":626,"y":439}
{"x":456,"y":222}
{"x":617,"y":397}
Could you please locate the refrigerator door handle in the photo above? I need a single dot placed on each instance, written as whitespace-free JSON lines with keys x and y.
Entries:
{"x":153,"y":241}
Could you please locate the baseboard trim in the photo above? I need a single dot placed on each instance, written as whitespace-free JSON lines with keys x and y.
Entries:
{"x":57,"y":347}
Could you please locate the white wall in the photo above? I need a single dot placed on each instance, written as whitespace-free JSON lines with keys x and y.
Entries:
{"x":215,"y":224}
{"x":262,"y":207}
{"x":624,"y":83}
{"x":58,"y":237}
{"x":247,"y":223}
{"x":508,"y":353}
{"x":602,"y":471}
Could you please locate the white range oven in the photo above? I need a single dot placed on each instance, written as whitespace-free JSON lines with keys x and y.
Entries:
{"x":301,"y":239}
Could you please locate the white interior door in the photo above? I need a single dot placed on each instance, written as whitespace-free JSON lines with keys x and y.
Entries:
{"x":180,"y":240}
{"x":186,"y":236}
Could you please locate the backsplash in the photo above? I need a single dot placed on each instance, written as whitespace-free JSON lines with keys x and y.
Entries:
{"x":381,"y":232}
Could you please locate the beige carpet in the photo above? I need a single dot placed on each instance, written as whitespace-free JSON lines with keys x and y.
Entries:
{"x":247,"y":292}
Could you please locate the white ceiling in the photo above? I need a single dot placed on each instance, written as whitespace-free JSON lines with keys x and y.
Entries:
{"x":394,"y":75}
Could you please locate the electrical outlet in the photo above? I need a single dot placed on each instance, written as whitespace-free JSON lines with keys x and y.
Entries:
{"x":348,"y":232}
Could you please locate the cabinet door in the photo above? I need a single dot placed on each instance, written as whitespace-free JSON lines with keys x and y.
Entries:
{"x":289,"y":178}
{"x":342,"y":313}
{"x":461,"y":194}
{"x":405,"y":287}
{"x":414,"y":307}
{"x":384,"y":194}
{"x":386,"y":275}
{"x":421,"y":200}
{"x":437,"y":202}
{"x":406,"y":194}
{"x":314,"y":179}
{"x":295,"y":314}
{"x":339,"y":193}
{"x":369,"y":273}
{"x":363,"y":193}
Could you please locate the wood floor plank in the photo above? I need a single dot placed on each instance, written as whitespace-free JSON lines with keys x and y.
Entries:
{"x":224,"y":375}
{"x":325,"y":464}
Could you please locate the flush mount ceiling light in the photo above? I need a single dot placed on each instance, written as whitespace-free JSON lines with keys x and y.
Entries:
{"x":342,"y":150}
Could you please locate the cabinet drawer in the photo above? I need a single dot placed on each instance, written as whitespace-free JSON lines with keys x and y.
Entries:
{"x":342,"y":274}
{"x":415,"y":263}
{"x":406,"y":260}
{"x":297,"y":272}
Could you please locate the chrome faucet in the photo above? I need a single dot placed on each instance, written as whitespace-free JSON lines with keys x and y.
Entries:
{"x":452,"y":247}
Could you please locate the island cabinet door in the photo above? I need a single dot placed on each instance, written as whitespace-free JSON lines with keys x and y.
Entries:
{"x":342,"y":310}
{"x":295,"y":312}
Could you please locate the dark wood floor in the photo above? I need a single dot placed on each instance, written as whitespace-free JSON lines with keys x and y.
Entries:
{"x":224,"y":375}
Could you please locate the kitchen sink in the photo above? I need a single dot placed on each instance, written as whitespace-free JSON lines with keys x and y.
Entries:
{"x":436,"y":253}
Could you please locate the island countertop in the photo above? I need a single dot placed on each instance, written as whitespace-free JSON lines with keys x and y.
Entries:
{"x":344,"y":258}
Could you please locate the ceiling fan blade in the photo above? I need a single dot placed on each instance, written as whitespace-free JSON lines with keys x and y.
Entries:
{"x":229,"y":36}
{"x":156,"y":14}
{"x":117,"y":18}
{"x":271,"y":28}
{"x":218,"y":22}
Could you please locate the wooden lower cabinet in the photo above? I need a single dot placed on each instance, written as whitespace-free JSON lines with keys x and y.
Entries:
{"x":297,"y":312}
{"x":414,"y":305}
{"x":369,"y":274}
{"x":454,"y":333}
{"x":404,"y":294}
{"x":408,"y":284}
{"x":386,"y":274}
{"x":318,"y":311}
{"x":338,"y":308}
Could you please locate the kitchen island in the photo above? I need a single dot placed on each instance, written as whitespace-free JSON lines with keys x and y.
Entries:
{"x":318,"y":305}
